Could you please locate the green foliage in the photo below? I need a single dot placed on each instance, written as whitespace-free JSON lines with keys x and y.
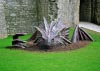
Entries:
{"x":84,"y":59}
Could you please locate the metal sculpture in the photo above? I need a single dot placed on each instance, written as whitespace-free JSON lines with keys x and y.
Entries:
{"x":55,"y":33}
{"x":80,"y":35}
{"x":16,"y":42}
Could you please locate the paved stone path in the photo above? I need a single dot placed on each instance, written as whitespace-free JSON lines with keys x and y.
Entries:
{"x":90,"y":26}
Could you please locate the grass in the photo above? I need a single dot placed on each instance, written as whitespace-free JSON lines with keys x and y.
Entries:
{"x":84,"y":59}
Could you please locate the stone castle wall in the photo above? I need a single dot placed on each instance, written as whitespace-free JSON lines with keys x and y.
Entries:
{"x":19,"y":16}
{"x":90,"y":11}
{"x":97,"y":12}
{"x":68,"y":11}
{"x":3,"y":30}
{"x":85,"y":10}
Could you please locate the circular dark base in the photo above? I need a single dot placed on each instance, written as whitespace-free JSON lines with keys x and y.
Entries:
{"x":71,"y":46}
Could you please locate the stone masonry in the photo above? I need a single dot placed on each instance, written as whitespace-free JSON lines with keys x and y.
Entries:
{"x":3,"y":30}
{"x":68,"y":11}
{"x":19,"y":16}
{"x":90,"y":11}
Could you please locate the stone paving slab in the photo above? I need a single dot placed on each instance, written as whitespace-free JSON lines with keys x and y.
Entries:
{"x":90,"y":26}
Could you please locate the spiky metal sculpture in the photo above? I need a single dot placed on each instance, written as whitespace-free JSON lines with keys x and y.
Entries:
{"x":80,"y":35}
{"x":54,"y":33}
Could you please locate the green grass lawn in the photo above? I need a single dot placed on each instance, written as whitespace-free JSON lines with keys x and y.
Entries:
{"x":83,"y":59}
